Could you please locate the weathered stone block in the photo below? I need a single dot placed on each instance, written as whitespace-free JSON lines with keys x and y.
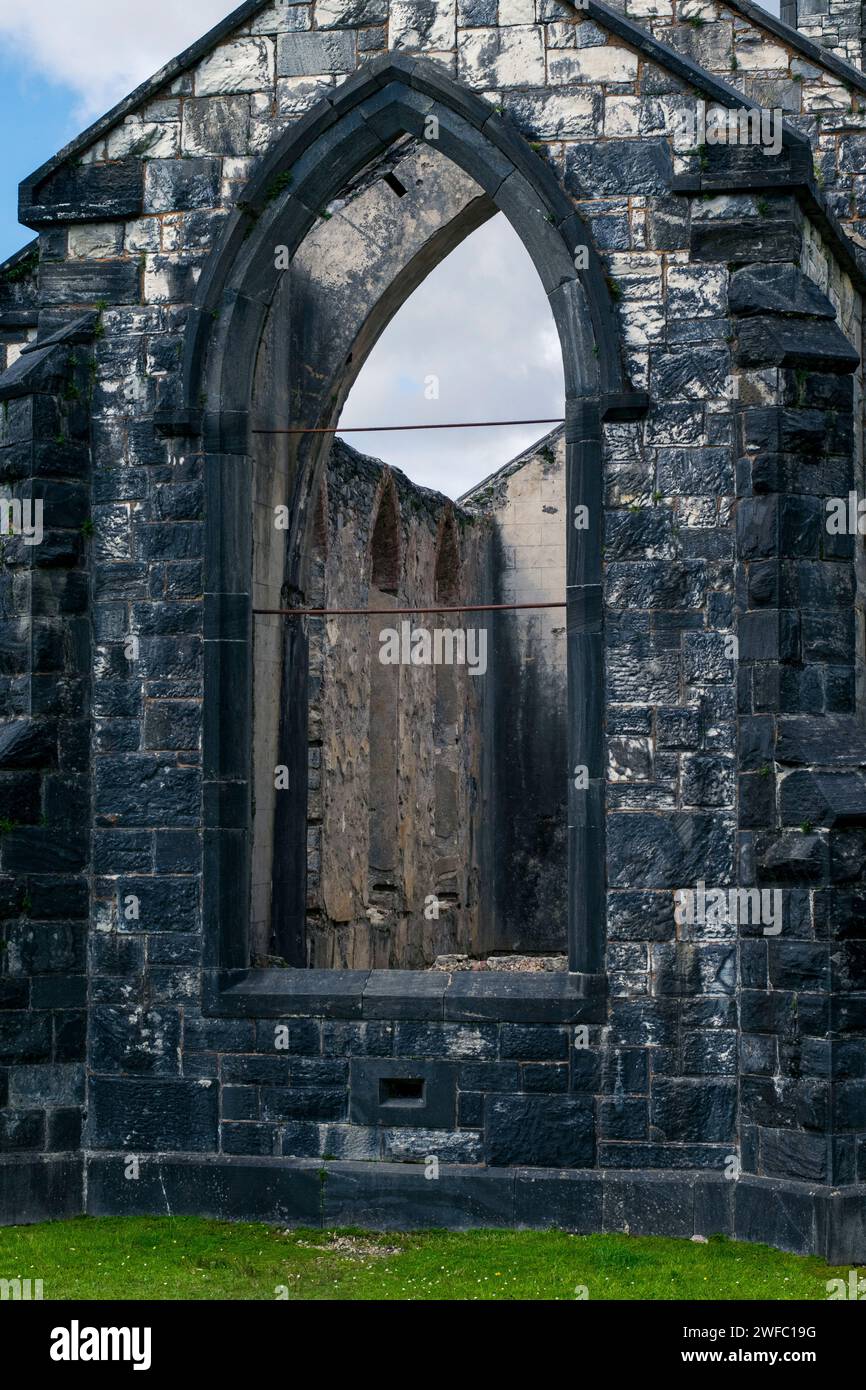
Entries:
{"x":309,"y":55}
{"x":539,"y":1131}
{"x":245,"y":65}
{"x":173,"y":185}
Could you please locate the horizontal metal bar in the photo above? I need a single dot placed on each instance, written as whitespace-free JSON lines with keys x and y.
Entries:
{"x":369,"y":612}
{"x":390,"y":429}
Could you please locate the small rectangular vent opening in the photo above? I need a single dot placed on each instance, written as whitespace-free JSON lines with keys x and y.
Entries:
{"x":401,"y":1090}
{"x":394,"y":184}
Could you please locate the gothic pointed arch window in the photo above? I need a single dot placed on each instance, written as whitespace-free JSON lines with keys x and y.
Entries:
{"x":285,"y":352}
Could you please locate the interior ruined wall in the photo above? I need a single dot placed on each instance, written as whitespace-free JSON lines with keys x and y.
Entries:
{"x":486,"y":753}
{"x":525,"y":768}
{"x":354,"y":921}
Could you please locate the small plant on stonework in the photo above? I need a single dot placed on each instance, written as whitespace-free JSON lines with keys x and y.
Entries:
{"x":536,"y":145}
{"x":87,"y":528}
{"x":819,"y":177}
{"x":764,"y":771}
{"x":734,"y":62}
{"x":26,"y":904}
{"x":801,"y":377}
{"x":251,"y":213}
{"x":7,"y":826}
{"x":71,"y":392}
{"x":615,"y":289}
{"x":806,"y":827}
{"x":657,"y":496}
{"x":696,"y":21}
{"x":763,"y":207}
{"x":325,"y":215}
{"x":28,"y":266}
{"x":704,"y":158}
{"x":278,"y":185}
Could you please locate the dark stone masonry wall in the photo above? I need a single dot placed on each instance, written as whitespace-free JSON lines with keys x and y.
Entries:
{"x":684,"y":1075}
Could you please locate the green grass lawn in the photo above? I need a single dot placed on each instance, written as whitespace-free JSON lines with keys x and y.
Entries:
{"x":190,"y":1258}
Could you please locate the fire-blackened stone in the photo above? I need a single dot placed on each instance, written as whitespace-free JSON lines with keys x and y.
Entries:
{"x":700,"y":1111}
{"x":153,"y":1115}
{"x":540,"y":1131}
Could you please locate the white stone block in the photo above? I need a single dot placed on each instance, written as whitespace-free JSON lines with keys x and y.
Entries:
{"x":621,"y":116}
{"x":516,"y":11}
{"x":499,"y":58}
{"x":424,"y":29}
{"x":608,"y":64}
{"x":95,"y":241}
{"x":151,"y":139}
{"x":245,"y":65}
{"x":758,"y":55}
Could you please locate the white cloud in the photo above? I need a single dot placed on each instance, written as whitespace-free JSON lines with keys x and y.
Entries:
{"x":481,"y":323}
{"x":102,"y":49}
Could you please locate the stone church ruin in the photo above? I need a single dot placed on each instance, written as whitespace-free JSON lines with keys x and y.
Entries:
{"x":244,"y":859}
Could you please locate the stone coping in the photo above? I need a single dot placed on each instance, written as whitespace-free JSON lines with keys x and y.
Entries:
{"x":465,"y":996}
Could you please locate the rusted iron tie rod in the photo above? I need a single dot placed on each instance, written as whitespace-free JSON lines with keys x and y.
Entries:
{"x":387,"y":429}
{"x":369,"y":612}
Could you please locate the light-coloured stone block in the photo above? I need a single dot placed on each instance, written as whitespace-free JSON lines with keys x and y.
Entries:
{"x":608,"y":64}
{"x":144,"y":139}
{"x":759,"y":55}
{"x":516,"y":11}
{"x":502,"y":57}
{"x":424,"y":25}
{"x":245,"y":65}
{"x":95,"y":241}
{"x":621,"y":116}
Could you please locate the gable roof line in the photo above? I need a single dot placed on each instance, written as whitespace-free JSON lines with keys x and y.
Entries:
{"x":840,"y":67}
{"x":30,"y":248}
{"x":681,"y":65}
{"x":618,"y":23}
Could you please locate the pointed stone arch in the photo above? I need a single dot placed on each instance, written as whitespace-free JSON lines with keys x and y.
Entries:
{"x":384,"y":553}
{"x":239,"y":288}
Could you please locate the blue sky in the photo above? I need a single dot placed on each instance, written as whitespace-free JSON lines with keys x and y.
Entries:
{"x":36,"y":120}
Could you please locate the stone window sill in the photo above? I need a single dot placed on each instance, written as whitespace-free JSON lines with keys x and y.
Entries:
{"x":463,"y":997}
